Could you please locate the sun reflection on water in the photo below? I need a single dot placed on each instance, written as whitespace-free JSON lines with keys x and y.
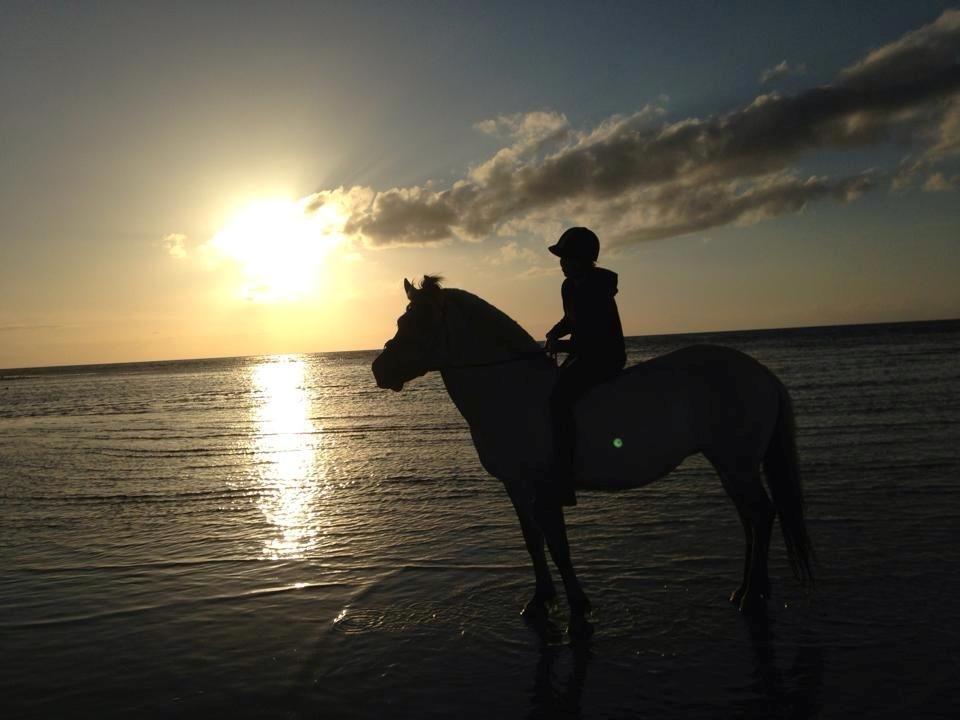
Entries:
{"x":287,"y":447}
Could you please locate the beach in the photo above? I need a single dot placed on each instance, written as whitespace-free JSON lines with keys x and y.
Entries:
{"x":276,"y":537}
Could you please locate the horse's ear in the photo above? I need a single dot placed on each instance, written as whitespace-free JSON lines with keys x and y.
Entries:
{"x":430,"y":287}
{"x":409,"y":289}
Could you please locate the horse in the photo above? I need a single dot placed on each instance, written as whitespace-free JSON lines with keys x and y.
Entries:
{"x":631,"y":430}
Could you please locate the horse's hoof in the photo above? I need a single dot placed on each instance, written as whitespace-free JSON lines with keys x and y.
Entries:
{"x":582,"y":609}
{"x":537,"y":617}
{"x":538,"y":608}
{"x":580,"y":629}
{"x":535,"y":611}
{"x":753,"y":604}
{"x":550,"y":633}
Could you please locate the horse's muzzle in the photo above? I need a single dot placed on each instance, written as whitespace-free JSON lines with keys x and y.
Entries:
{"x":381,"y":374}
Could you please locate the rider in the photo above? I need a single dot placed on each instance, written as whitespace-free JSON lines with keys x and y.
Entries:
{"x":596,"y":348}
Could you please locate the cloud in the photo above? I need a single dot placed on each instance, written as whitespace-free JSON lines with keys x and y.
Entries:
{"x":339,"y":202}
{"x":906,"y":173}
{"x":938,"y":182}
{"x":781,"y":69}
{"x":175,"y":245}
{"x":408,"y":216}
{"x":674,"y":210}
{"x":531,"y":134}
{"x":639,"y":177}
{"x":512,"y":252}
{"x":27,"y":328}
{"x":947,"y":134}
{"x":931,"y":49}
{"x":527,"y":128}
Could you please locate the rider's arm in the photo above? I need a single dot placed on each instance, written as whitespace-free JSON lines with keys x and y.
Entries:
{"x":560,"y":329}
{"x":564,"y":327}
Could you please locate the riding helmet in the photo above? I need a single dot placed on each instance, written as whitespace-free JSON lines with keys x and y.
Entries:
{"x":577,"y":242}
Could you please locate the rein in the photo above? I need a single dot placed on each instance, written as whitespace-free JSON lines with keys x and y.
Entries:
{"x":517,"y":357}
{"x":491,"y":363}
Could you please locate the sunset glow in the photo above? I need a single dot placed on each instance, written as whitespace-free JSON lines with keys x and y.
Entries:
{"x":280,"y":246}
{"x":289,"y":468}
{"x":175,"y":186}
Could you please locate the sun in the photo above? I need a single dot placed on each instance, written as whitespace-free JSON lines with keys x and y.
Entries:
{"x":279,"y":246}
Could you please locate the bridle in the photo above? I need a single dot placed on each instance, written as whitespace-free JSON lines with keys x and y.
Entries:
{"x":526,"y":355}
{"x":516,"y":357}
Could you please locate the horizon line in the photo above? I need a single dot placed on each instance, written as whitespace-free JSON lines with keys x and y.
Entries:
{"x":367,"y":350}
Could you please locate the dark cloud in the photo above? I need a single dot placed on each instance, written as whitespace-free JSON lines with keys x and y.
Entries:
{"x":679,"y":210}
{"x":405,"y":215}
{"x":695,"y":173}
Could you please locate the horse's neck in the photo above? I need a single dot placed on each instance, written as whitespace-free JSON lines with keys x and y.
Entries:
{"x":504,"y":374}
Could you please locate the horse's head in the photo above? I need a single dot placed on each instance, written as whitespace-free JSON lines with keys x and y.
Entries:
{"x":417,"y":348}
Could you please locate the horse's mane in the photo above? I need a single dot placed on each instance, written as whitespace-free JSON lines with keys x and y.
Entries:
{"x":484,"y":319}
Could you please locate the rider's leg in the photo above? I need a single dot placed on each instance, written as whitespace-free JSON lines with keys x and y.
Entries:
{"x":572,"y":382}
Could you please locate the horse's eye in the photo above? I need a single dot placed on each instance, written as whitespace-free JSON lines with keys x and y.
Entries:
{"x":426,"y":319}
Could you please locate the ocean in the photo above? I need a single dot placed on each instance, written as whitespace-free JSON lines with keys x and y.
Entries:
{"x":276,"y":537}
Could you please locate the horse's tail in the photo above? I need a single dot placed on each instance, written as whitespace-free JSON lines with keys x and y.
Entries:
{"x":783,"y":478}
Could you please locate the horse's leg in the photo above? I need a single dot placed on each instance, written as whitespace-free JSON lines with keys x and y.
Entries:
{"x":731,"y":487}
{"x":545,"y":594}
{"x":550,"y":518}
{"x":757,"y":514}
{"x":737,"y":595}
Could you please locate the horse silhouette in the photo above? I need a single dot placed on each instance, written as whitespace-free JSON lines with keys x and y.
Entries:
{"x":631,"y":430}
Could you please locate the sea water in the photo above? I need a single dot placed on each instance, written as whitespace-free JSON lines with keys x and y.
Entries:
{"x":276,"y":537}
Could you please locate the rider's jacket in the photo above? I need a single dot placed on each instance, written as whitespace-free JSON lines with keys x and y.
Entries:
{"x":590,"y":317}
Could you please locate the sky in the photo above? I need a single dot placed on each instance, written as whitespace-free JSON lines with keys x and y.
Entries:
{"x":217,"y":179}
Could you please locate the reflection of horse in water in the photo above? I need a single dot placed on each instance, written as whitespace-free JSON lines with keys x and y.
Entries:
{"x":631,"y":431}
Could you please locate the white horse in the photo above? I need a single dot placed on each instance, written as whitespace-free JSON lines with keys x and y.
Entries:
{"x":632,"y":430}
